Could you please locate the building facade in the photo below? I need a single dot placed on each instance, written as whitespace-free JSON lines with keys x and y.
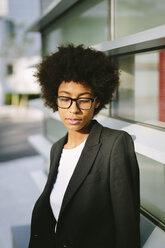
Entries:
{"x":19,"y":50}
{"x":133,"y":33}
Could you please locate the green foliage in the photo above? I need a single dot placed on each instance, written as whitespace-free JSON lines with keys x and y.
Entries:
{"x":9,"y":97}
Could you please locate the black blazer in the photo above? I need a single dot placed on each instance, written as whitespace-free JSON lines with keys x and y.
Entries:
{"x":100,"y":208}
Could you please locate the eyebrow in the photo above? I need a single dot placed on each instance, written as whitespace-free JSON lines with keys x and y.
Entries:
{"x":84,"y":93}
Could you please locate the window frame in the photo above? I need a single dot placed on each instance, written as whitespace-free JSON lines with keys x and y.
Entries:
{"x":146,"y":134}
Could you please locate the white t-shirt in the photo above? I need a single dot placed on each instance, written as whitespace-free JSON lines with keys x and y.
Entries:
{"x":67,"y":164}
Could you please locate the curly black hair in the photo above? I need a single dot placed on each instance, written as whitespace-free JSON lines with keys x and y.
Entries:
{"x":81,"y":65}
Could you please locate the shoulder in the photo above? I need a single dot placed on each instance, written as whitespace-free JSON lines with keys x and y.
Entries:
{"x":118,"y":142}
{"x":114,"y":135}
{"x":55,"y":144}
{"x":109,"y":136}
{"x":58,"y":144}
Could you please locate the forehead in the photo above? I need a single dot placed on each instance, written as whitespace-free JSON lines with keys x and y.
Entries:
{"x":74,"y":88}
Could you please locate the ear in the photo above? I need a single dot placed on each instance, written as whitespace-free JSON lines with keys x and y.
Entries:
{"x":97,"y":104}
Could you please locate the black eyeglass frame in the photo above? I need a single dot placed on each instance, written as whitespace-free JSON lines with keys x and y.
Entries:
{"x":76,"y":100}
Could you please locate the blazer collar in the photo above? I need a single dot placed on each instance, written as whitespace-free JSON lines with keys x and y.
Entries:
{"x":84,"y":164}
{"x":94,"y":136}
{"x":92,"y":140}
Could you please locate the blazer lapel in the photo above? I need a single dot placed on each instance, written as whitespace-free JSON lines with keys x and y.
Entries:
{"x":84,"y":164}
{"x":55,"y":163}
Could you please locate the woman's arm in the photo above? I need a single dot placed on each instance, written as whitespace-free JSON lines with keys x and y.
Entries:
{"x":124,"y":187}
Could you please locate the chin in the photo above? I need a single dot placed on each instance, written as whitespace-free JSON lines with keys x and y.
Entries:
{"x":74,"y":127}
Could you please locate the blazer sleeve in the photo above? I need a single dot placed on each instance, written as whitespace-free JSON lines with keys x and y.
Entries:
{"x":125,"y":193}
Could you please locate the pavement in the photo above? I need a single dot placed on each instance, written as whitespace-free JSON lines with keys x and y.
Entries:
{"x":22,"y":178}
{"x":14,"y":138}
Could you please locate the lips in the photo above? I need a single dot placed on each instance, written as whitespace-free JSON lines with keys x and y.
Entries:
{"x":73,"y":121}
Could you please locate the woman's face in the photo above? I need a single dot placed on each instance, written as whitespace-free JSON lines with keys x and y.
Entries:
{"x":76,"y":119}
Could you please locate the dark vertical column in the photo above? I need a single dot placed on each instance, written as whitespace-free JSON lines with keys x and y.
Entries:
{"x":162,"y":85}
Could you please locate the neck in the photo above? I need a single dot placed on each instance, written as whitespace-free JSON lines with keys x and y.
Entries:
{"x":75,"y":138}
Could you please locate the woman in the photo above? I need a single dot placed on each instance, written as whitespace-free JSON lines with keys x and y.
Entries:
{"x":91,"y":198}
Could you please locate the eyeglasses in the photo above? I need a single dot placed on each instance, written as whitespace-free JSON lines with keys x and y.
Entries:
{"x":82,"y":103}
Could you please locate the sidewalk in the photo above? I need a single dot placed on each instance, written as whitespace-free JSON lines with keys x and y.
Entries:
{"x":20,"y":113}
{"x":21,"y":180}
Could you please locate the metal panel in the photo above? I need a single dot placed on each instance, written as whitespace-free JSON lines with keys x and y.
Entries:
{"x":57,"y":8}
{"x":147,"y":40}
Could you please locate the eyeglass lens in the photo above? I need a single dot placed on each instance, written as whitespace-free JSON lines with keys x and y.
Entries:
{"x":65,"y":102}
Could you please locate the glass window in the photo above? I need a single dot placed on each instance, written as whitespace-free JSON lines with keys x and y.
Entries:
{"x":85,"y":23}
{"x":44,"y":5}
{"x":152,"y":187}
{"x":141,"y":95}
{"x":135,"y":16}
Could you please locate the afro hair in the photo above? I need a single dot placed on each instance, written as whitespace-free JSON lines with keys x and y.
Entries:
{"x":82,"y":65}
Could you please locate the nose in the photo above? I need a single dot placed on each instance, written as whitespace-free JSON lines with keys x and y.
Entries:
{"x":74,"y":108}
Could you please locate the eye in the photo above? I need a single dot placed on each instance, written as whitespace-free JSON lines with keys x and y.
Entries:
{"x":84,"y":100}
{"x":64,"y":99}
